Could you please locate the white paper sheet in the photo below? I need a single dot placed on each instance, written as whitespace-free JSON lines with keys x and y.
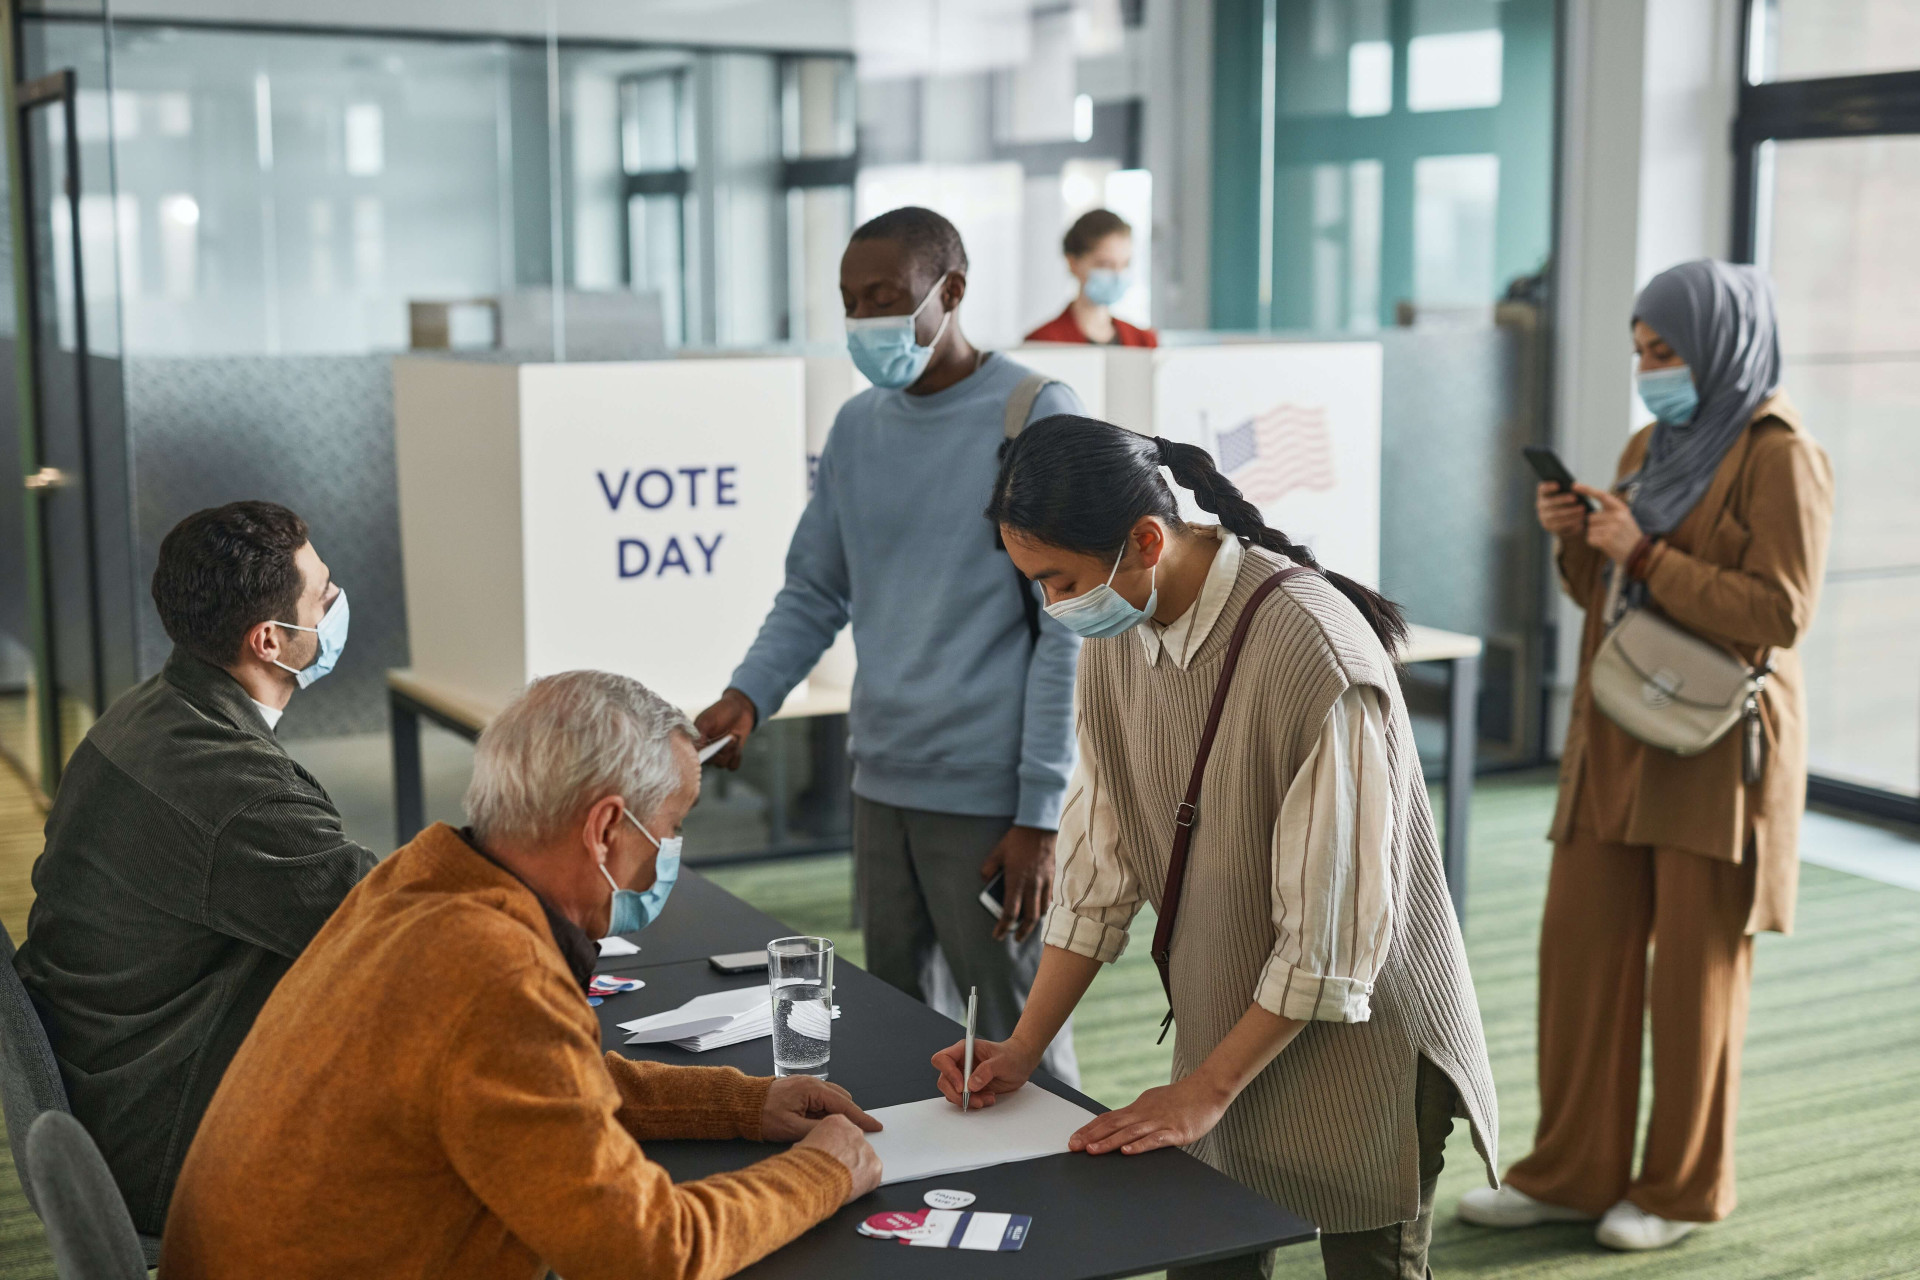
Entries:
{"x":933,"y":1138}
{"x":618,"y":946}
{"x":723,"y":1018}
{"x":702,"y":1014}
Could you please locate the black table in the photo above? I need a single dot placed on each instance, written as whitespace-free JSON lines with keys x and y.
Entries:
{"x":701,"y":919}
{"x":1093,"y":1216}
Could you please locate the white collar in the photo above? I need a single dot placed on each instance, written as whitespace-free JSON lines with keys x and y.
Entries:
{"x":1182,"y":637}
{"x":270,"y":714}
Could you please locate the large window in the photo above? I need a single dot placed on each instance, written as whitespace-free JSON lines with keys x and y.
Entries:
{"x":1378,"y":160}
{"x":1829,"y":137}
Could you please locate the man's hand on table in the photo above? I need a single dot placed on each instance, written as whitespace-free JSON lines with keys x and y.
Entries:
{"x":796,"y":1105}
{"x":1026,"y":855}
{"x":824,"y":1118}
{"x":837,"y":1136}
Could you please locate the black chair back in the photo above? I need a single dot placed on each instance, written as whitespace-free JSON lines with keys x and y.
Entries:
{"x":88,"y":1227}
{"x":29,"y":1077}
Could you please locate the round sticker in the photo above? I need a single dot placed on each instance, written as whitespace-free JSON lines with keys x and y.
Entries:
{"x":941,"y":1198}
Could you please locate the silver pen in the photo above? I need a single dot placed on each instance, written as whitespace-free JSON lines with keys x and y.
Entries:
{"x":966,"y":1081}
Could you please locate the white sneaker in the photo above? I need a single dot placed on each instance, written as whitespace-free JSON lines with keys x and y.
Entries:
{"x":1628,"y":1227}
{"x":1506,"y":1207}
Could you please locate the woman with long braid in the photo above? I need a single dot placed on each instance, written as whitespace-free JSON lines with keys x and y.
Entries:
{"x":1247,"y":767}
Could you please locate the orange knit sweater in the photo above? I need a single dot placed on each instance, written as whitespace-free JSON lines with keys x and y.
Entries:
{"x":424,"y":1095}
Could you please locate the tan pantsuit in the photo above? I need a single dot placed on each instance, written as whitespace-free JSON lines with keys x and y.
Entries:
{"x":1679,"y":853}
{"x":1605,"y":902}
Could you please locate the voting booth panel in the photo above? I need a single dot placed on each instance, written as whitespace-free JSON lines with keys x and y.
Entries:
{"x":635,"y":516}
{"x":1295,"y":426}
{"x":632,"y":517}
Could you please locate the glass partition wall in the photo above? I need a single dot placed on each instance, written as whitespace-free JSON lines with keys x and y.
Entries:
{"x":292,"y":192}
{"x":263,"y":213}
{"x":65,"y":648}
{"x":227,"y":231}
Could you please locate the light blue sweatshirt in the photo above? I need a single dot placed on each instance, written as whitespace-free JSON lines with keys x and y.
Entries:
{"x":955,"y":708}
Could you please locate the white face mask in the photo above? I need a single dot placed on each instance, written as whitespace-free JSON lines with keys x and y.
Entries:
{"x":1104,"y":612}
{"x":332,"y":633}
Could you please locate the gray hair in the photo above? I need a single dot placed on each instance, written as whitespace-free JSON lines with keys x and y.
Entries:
{"x":564,"y":742}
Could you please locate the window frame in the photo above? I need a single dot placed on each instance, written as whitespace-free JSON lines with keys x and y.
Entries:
{"x":1875,"y":104}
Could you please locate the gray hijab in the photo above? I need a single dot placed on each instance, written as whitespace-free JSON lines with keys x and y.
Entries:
{"x":1718,"y":316}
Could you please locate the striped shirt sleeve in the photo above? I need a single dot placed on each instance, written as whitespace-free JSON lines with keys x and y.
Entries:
{"x":1095,"y":897}
{"x":1332,"y":868}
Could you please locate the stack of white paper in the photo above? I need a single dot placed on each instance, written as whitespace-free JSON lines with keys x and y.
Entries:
{"x":933,"y":1138}
{"x":723,"y":1018}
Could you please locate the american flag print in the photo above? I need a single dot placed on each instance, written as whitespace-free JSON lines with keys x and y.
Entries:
{"x":1276,"y":452}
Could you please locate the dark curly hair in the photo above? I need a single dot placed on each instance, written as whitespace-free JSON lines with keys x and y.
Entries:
{"x":929,"y":239}
{"x":224,"y":571}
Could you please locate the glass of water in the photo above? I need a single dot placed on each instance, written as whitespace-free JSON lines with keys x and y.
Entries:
{"x":800,"y":973}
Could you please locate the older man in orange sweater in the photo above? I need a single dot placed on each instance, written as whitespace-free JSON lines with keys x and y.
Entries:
{"x":424,"y":1094}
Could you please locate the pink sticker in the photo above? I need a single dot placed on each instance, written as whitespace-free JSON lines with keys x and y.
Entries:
{"x":894,"y":1221}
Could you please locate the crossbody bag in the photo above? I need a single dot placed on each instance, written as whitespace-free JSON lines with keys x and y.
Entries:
{"x":1669,"y":688}
{"x":1189,"y":811}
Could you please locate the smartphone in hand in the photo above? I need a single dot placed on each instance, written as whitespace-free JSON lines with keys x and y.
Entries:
{"x":1547,"y":465}
{"x":994,"y":896}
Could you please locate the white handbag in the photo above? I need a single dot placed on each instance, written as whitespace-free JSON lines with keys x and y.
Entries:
{"x":1670,"y":689}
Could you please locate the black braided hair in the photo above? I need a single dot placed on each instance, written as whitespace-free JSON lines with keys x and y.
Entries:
{"x":1081,"y":484}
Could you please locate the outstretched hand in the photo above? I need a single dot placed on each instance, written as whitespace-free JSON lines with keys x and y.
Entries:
{"x":732,"y":715}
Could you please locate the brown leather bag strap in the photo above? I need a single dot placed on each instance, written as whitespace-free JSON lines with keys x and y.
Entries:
{"x":1189,"y":811}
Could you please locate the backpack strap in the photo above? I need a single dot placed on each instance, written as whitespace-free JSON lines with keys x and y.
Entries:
{"x":1189,"y":811}
{"x":1019,"y":407}
{"x":1020,"y":403}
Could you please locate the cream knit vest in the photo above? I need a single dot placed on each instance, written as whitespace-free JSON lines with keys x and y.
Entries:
{"x":1328,"y":1128}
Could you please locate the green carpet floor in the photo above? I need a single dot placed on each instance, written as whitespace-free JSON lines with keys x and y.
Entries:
{"x":1829,"y":1115}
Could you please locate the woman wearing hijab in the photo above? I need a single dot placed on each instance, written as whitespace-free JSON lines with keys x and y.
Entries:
{"x":1326,"y":1033}
{"x":1719,"y":521}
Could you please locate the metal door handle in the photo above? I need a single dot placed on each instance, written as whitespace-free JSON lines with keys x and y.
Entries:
{"x":49,"y":478}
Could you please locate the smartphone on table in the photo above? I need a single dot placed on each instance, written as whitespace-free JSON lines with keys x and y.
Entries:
{"x":1547,"y":465}
{"x":739,"y":961}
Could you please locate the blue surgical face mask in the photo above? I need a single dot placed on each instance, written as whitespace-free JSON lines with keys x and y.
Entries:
{"x":1669,"y":394}
{"x":883,"y":347}
{"x":1104,"y":612}
{"x":333,"y":638}
{"x":632,"y":910}
{"x":1104,"y":287}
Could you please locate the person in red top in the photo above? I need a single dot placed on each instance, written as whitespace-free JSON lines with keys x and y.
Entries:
{"x":1099,"y":249}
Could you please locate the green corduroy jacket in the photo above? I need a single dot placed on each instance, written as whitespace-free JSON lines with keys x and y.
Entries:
{"x":189,"y":859}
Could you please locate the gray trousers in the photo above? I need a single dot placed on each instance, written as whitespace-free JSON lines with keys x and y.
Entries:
{"x":918,"y":878}
{"x":1397,"y":1252}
